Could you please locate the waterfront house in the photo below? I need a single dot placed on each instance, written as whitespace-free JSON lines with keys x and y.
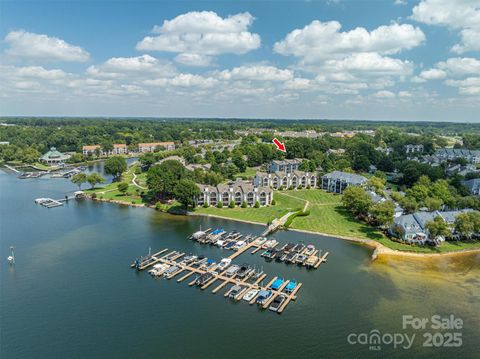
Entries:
{"x":294,"y":179}
{"x":473,"y":186}
{"x":238,"y":191}
{"x":337,"y":181}
{"x":287,"y":166}
{"x":413,"y":148}
{"x":151,"y":147}
{"x":90,"y":149}
{"x":120,"y":149}
{"x":54,"y":157}
{"x":411,"y":228}
{"x":385,"y":150}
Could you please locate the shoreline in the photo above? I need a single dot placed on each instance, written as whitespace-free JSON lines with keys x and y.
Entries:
{"x":378,"y":248}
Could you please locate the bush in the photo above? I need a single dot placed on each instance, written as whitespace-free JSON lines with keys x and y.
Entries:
{"x":94,"y":195}
{"x":308,"y":186}
{"x":133,"y":202}
{"x":244,"y":204}
{"x":291,"y":187}
{"x":293,"y":216}
{"x":205,"y":205}
{"x":273,"y":202}
{"x":257,"y":204}
{"x":231,"y":204}
{"x":280,"y":188}
{"x":220,"y":204}
{"x":300,"y":187}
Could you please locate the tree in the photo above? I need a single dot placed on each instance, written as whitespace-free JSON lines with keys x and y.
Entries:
{"x":438,"y":227}
{"x":147,"y":159}
{"x":79,"y":179}
{"x":115,"y":166}
{"x":186,"y":191}
{"x":239,"y":161}
{"x":382,"y":212}
{"x":97,"y":152}
{"x":95,"y":178}
{"x":162,"y":178}
{"x":376,"y":183}
{"x":107,"y":147}
{"x":123,"y":187}
{"x":409,"y":204}
{"x":356,"y":200}
{"x":464,"y":225}
{"x":433,"y":204}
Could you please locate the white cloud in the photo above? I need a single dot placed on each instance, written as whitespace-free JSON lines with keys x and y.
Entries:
{"x":404,"y":94}
{"x":42,"y":47}
{"x":468,"y":86}
{"x":384,"y":94}
{"x":200,"y":35}
{"x":184,"y":80}
{"x":257,"y":73}
{"x":460,"y":66}
{"x":400,"y":2}
{"x":119,"y":67}
{"x":322,"y":40}
{"x":463,"y":15}
{"x":433,"y":74}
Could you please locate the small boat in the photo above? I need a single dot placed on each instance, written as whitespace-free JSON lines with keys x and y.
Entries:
{"x":250,"y":295}
{"x":204,"y":278}
{"x":270,"y":243}
{"x":289,"y":288}
{"x":243,"y":271}
{"x":283,"y":258}
{"x":220,"y":243}
{"x":278,"y":255}
{"x":158,"y":269}
{"x":210,"y":264}
{"x":277,"y":283}
{"x":239,"y":245}
{"x":289,"y":247}
{"x":311,"y":261}
{"x":188,"y":260}
{"x":267,"y":253}
{"x":170,"y":271}
{"x":310,"y":250}
{"x":290,"y":257}
{"x":277,"y":302}
{"x":232,"y":270}
{"x":299,"y":247}
{"x":201,"y":260}
{"x":229,"y":245}
{"x":234,"y":291}
{"x":224,"y":263}
{"x":300,"y":259}
{"x":263,"y":296}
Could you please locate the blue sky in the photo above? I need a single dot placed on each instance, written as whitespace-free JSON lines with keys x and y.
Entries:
{"x":387,"y":60}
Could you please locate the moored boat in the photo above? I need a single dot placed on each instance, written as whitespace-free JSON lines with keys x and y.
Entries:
{"x":250,"y":294}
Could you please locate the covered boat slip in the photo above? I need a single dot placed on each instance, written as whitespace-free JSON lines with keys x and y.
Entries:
{"x":206,"y":276}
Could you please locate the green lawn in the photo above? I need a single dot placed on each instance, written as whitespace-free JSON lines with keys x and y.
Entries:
{"x":263,"y":214}
{"x":249,"y":172}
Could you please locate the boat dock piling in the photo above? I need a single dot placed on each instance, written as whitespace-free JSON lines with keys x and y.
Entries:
{"x":276,"y":293}
{"x":291,"y":297}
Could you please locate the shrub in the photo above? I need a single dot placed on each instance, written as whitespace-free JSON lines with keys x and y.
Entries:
{"x":308,"y":186}
{"x":291,"y":187}
{"x":205,"y":205}
{"x":133,"y":202}
{"x":244,"y":204}
{"x":101,"y":197}
{"x":300,"y":187}
{"x":280,"y":188}
{"x":257,"y":204}
{"x":220,"y":204}
{"x":273,"y":202}
{"x":231,"y":204}
{"x":94,"y":195}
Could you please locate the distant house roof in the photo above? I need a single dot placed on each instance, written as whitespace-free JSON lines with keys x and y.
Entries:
{"x":90,"y":147}
{"x":457,"y":152}
{"x":155,"y":144}
{"x":473,"y":185}
{"x":119,"y":145}
{"x":287,"y":161}
{"x":351,"y":178}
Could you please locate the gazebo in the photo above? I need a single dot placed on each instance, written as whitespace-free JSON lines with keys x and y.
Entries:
{"x":54,"y":157}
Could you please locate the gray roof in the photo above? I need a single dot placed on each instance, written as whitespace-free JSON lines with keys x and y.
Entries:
{"x":457,"y":152}
{"x":473,"y":184}
{"x":416,"y":222}
{"x":351,"y":178}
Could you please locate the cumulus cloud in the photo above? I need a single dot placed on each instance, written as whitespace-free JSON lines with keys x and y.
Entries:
{"x":468,"y":86}
{"x":460,"y":66}
{"x":145,"y":65}
{"x":433,"y":74}
{"x":384,"y":94}
{"x":257,"y":73}
{"x":462,"y":15}
{"x":42,"y":47}
{"x":323,"y":40}
{"x":197,"y":36}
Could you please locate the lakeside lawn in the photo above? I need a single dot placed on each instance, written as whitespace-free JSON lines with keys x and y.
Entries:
{"x":262,"y":215}
{"x":248,"y":173}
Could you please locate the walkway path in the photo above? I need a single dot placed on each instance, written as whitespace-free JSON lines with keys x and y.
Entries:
{"x":135,"y":183}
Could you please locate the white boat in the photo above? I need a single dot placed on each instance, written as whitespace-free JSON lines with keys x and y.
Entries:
{"x":224,"y":263}
{"x":239,"y":245}
{"x":232,"y":270}
{"x":158,"y":269}
{"x":220,"y":243}
{"x":250,"y":295}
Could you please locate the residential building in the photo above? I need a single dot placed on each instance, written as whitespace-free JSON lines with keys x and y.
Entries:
{"x":120,"y":149}
{"x":411,"y":228}
{"x":413,"y":148}
{"x":287,"y":166}
{"x":449,"y":154}
{"x":238,"y":191}
{"x":385,"y":150}
{"x":54,"y":157}
{"x":473,"y":186}
{"x":337,"y":181}
{"x":338,"y":151}
{"x":90,"y":149}
{"x":150,"y":147}
{"x":285,"y":179}
{"x":6,"y":143}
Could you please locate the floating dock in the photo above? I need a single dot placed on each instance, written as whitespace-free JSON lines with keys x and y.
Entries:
{"x":248,"y":282}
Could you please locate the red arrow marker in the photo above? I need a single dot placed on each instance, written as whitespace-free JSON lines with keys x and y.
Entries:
{"x":280,"y":146}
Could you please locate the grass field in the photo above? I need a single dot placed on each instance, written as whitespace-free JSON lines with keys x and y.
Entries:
{"x":283,"y":204}
{"x":249,"y":172}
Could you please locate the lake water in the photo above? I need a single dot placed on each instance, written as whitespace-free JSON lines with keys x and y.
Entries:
{"x":72,"y":293}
